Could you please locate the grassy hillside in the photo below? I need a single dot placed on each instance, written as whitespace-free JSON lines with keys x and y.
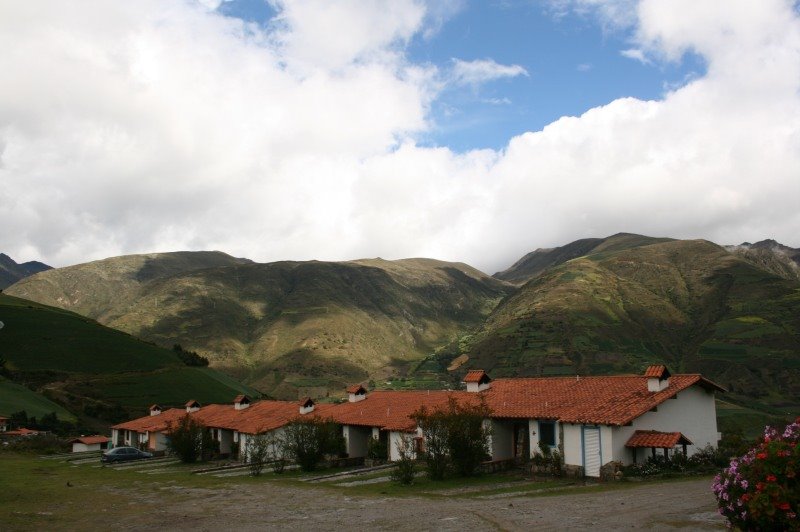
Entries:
{"x":690,"y":304}
{"x":288,"y":328}
{"x":91,"y":369}
{"x":96,"y":288}
{"x":15,"y":398}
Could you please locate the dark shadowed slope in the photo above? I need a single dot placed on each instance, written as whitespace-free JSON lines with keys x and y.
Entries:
{"x":11,"y":272}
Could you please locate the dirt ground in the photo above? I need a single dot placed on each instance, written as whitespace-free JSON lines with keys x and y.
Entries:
{"x":671,"y":505}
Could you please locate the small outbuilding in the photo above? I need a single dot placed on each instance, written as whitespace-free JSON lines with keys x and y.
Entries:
{"x":89,"y":443}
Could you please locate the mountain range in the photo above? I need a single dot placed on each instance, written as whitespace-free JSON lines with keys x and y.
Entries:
{"x":287,"y":328}
{"x":594,"y":306}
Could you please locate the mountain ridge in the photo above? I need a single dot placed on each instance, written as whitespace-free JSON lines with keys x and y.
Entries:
{"x":11,"y":271}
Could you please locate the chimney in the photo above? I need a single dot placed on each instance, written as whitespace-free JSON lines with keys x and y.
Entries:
{"x":477,"y":380}
{"x":192,"y":406}
{"x":356,"y":393}
{"x":155,"y":410}
{"x":657,"y":378}
{"x":241,"y":402}
{"x":306,"y":405}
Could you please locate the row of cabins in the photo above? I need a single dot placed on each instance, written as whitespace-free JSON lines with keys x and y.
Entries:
{"x":591,"y":420}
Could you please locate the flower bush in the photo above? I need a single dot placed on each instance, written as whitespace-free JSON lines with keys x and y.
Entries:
{"x":760,"y":490}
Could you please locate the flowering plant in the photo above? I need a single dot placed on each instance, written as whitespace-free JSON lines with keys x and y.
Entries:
{"x":760,"y":490}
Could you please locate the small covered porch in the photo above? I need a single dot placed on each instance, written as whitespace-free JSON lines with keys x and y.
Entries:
{"x":655,"y":441}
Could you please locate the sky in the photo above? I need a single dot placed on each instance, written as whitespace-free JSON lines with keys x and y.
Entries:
{"x":471,"y":131}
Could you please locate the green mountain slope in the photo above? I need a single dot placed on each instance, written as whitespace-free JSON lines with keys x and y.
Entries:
{"x":690,"y":304}
{"x":91,"y":369}
{"x":536,"y":262}
{"x":287,"y":327}
{"x":93,"y":288}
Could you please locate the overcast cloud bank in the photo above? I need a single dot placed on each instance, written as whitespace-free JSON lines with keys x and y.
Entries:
{"x":162,"y":125}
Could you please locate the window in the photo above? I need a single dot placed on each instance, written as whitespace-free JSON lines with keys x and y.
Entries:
{"x":547,"y":433}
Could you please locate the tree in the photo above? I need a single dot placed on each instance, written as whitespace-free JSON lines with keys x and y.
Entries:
{"x":309,"y":440}
{"x":258,"y":448}
{"x":186,"y":439}
{"x":468,"y":436}
{"x":190,"y":358}
{"x":435,"y":432}
{"x":454,"y":435}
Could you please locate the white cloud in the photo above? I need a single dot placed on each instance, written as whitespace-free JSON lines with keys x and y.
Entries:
{"x":483,"y":70}
{"x":157,"y":125}
{"x":637,"y":55}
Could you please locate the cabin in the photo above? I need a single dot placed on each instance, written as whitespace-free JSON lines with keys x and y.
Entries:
{"x":148,"y":432}
{"x":89,"y":443}
{"x":596,"y":420}
{"x":4,"y":421}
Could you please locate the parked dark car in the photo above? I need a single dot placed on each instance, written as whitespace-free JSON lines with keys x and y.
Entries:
{"x":121,"y":454}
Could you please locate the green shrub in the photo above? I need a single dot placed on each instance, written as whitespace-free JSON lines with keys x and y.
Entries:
{"x":186,"y":439}
{"x":377,"y":449}
{"x":454,"y":436}
{"x":309,"y":440}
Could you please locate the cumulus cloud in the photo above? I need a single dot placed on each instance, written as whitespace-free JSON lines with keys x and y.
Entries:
{"x":162,"y":125}
{"x":483,"y":70}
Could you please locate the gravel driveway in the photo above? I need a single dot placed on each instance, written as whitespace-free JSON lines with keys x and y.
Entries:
{"x":668,"y":505}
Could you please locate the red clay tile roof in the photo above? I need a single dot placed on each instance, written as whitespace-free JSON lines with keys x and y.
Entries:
{"x":613,"y":400}
{"x":656,"y":371}
{"x":152,"y":423}
{"x":356,"y":388}
{"x":658,"y":440}
{"x":392,"y":410}
{"x":22,"y":431}
{"x":89,"y":440}
{"x":192,"y":404}
{"x":476,"y":375}
{"x":261,"y":416}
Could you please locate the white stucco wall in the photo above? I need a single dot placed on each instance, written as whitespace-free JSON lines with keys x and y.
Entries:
{"x":246,"y":440}
{"x":82,"y":447}
{"x":395,"y":439}
{"x":693,"y":413}
{"x":573,"y":450}
{"x":607,"y":444}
